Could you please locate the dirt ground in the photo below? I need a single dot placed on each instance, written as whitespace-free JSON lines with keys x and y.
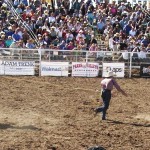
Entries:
{"x":38,"y":113}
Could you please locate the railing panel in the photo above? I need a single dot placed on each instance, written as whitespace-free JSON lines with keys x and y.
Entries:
{"x":131,"y":60}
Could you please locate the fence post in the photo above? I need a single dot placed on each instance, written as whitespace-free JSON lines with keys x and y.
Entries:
{"x":4,"y":65}
{"x":76,"y":53}
{"x":130,"y":73}
{"x":39,"y":61}
{"x":21,"y":54}
{"x":86,"y":60}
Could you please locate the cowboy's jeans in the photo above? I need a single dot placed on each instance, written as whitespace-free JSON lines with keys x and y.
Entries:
{"x":106,"y":96}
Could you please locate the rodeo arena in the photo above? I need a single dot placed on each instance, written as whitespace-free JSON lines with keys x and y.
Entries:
{"x":58,"y":59}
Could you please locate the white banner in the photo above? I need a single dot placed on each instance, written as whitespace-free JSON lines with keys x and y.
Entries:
{"x":17,"y":67}
{"x":54,"y":68}
{"x":117,"y":68}
{"x":89,"y":69}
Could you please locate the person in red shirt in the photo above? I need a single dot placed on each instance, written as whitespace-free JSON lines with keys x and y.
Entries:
{"x":106,"y":88}
{"x":70,"y":46}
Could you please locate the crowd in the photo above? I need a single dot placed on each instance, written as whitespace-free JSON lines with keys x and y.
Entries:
{"x":123,"y":26}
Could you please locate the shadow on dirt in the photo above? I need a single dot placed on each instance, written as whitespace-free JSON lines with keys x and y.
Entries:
{"x":133,"y":124}
{"x":96,"y":148}
{"x":9,"y":126}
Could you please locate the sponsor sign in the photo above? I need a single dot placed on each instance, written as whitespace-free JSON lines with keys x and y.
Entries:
{"x":145,"y":70}
{"x":80,"y":69}
{"x":117,"y":68}
{"x":54,"y":68}
{"x":17,"y":67}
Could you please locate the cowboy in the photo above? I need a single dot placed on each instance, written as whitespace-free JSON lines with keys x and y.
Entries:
{"x":106,"y":87}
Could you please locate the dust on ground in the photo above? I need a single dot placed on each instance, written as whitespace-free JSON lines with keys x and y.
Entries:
{"x":37,"y":113}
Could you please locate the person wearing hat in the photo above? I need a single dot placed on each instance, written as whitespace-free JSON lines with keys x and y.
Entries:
{"x":116,"y":43}
{"x":8,"y":41}
{"x":106,"y":87}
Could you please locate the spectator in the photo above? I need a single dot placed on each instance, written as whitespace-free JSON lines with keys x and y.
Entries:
{"x":70,"y":46}
{"x":25,"y":36}
{"x":123,"y":45}
{"x":123,"y":22}
{"x":122,"y":7}
{"x":142,"y":54}
{"x":76,"y":5}
{"x":14,"y":48}
{"x":55,"y":42}
{"x":93,"y":48}
{"x":61,"y":46}
{"x":80,"y":35}
{"x":46,"y":38}
{"x":8,"y":41}
{"x":39,"y":23}
{"x":128,"y":27}
{"x":145,"y":41}
{"x":136,"y":48}
{"x":132,"y":32}
{"x":93,"y":39}
{"x":100,"y":26}
{"x":69,"y":36}
{"x":52,"y":18}
{"x":124,"y":56}
{"x":30,"y":44}
{"x":148,"y":48}
{"x":12,"y":20}
{"x":116,"y":42}
{"x":81,"y":45}
{"x":2,"y":43}
{"x":16,"y":36}
{"x":19,"y":9}
{"x":53,"y":33}
{"x":15,"y":3}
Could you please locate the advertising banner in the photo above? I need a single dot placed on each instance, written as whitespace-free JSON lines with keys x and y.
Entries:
{"x":17,"y":67}
{"x":145,"y":70}
{"x":54,"y":68}
{"x":89,"y":69}
{"x":117,"y":68}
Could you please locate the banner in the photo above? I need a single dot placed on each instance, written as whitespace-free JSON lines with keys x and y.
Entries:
{"x":17,"y":67}
{"x":117,"y":68}
{"x":80,"y":69}
{"x":54,"y":68}
{"x":145,"y":70}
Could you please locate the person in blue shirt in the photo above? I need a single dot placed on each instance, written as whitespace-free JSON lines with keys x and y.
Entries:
{"x":16,"y":36}
{"x":145,"y":41}
{"x":123,"y":22}
{"x":128,"y":27}
{"x":25,"y":2}
{"x":100,"y":25}
{"x":9,"y":32}
{"x":30,"y":44}
{"x":61,"y":46}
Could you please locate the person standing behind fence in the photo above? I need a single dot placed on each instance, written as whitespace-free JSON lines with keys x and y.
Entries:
{"x":106,"y":87}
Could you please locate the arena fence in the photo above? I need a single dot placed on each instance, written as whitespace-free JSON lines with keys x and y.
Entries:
{"x":51,"y":62}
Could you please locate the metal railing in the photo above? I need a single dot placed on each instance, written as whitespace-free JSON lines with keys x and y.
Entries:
{"x":131,"y":60}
